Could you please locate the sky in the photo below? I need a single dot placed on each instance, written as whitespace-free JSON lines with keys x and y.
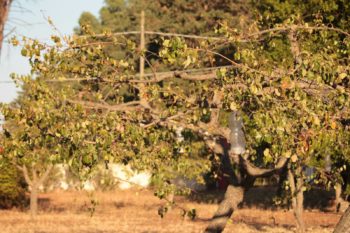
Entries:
{"x":28,"y":17}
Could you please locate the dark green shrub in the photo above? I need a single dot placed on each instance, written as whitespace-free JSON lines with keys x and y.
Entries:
{"x":12,"y":186}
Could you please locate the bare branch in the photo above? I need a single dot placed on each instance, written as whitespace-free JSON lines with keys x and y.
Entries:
{"x":296,"y":27}
{"x":198,"y":77}
{"x":133,"y":105}
{"x":158,"y":120}
{"x":46,"y":173}
{"x":34,"y":175}
{"x":245,"y":39}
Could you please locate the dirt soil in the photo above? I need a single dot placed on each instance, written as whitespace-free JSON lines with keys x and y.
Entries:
{"x":137,"y":211}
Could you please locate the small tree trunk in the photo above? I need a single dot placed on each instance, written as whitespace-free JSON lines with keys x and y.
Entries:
{"x":343,"y":225}
{"x":34,"y":184}
{"x":300,"y":205}
{"x":297,"y":200}
{"x":339,"y":201}
{"x":233,"y":196}
{"x":338,"y":190}
{"x":34,"y":200}
{"x":170,"y":199}
{"x":283,"y":176}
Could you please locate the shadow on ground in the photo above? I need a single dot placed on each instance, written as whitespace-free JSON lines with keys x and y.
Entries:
{"x":264,"y":197}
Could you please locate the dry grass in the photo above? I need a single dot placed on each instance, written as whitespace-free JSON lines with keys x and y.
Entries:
{"x":136,"y":211}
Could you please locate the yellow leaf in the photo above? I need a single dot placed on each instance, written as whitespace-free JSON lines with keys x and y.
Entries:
{"x":123,"y":63}
{"x":166,"y":43}
{"x":294,"y":158}
{"x":342,"y":76}
{"x":333,"y":125}
{"x":253,"y":89}
{"x":316,"y":120}
{"x":277,"y":92}
{"x":267,"y":152}
{"x":187,"y":62}
{"x":287,"y":154}
{"x":233,"y":106}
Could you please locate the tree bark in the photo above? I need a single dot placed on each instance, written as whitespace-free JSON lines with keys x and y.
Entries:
{"x":343,"y":225}
{"x":297,"y":199}
{"x":241,"y":180}
{"x":339,"y":201}
{"x":4,"y":11}
{"x":256,"y":172}
{"x":338,"y":191}
{"x":34,"y":200}
{"x":300,"y":205}
{"x":233,"y":196}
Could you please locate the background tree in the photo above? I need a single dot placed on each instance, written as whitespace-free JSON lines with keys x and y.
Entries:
{"x":12,"y":190}
{"x":187,"y":17}
{"x":30,"y":137}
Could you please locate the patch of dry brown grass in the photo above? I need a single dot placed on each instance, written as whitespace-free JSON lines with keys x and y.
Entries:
{"x":136,"y":211}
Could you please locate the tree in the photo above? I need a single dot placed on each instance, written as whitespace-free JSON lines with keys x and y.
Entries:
{"x":30,"y":138}
{"x":289,"y":81}
{"x":193,"y":17}
{"x":335,"y":13}
{"x":188,"y":17}
{"x":12,"y":190}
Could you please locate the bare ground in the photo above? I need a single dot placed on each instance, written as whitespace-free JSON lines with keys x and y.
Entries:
{"x":136,"y":211}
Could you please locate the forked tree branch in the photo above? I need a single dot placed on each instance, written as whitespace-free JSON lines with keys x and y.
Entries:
{"x":45,"y":175}
{"x":256,"y":172}
{"x":24,"y":170}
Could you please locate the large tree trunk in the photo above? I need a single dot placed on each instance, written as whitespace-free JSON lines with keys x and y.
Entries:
{"x":343,"y":225}
{"x":241,"y":180}
{"x":296,"y":190}
{"x":233,"y":196}
{"x":4,"y":11}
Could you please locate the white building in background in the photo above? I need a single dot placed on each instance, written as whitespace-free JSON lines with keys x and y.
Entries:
{"x":126,"y":178}
{"x":123,"y":176}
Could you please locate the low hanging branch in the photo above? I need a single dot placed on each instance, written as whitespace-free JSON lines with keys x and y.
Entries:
{"x":256,"y":172}
{"x":129,"y":106}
